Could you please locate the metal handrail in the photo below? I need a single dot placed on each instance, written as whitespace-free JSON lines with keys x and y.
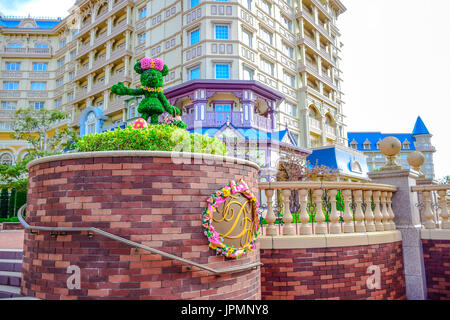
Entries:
{"x":137,"y":245}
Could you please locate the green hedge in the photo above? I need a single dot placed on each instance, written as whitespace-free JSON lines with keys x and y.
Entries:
{"x":12,"y":219}
{"x":155,"y":138}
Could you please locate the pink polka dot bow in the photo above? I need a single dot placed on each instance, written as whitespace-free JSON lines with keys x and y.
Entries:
{"x":148,"y":63}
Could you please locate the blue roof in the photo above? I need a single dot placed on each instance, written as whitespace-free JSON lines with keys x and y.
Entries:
{"x":346,"y":161}
{"x":47,"y":24}
{"x":420,"y":127}
{"x":375,"y":137}
{"x":9,"y":23}
{"x":41,"y":23}
{"x":250,"y":134}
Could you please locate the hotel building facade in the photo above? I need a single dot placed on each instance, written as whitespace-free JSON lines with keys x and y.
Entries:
{"x":280,"y":56}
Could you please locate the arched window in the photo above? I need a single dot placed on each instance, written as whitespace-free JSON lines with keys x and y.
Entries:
{"x":6,"y":158}
{"x":91,"y":123}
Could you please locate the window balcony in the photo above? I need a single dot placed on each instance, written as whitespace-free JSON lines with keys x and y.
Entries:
{"x":26,"y":52}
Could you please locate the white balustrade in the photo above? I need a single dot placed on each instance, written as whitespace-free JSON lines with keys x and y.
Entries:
{"x":434,"y":205}
{"x":329,"y":208}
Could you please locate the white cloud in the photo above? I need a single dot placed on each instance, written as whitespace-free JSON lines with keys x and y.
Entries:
{"x":396,"y":67}
{"x":36,"y":8}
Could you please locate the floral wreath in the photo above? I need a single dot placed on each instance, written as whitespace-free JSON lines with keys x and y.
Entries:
{"x":215,"y":240}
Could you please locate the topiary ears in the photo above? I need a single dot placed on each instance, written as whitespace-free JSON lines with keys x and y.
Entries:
{"x":138,"y":68}
{"x":165,"y":71}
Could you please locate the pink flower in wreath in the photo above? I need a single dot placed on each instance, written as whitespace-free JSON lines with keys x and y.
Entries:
{"x":148,"y":63}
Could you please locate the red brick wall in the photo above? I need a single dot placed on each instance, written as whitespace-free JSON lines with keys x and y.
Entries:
{"x":436,"y":255}
{"x":11,"y":226}
{"x":148,"y":200}
{"x":332,"y":273}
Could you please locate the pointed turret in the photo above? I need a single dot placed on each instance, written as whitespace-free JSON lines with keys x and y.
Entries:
{"x":420,"y":128}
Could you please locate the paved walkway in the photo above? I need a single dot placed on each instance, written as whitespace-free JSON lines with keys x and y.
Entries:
{"x":11,"y":239}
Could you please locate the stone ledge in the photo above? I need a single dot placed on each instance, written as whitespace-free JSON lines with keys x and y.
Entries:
{"x":437,"y":234}
{"x":204,"y":157}
{"x":330,"y":240}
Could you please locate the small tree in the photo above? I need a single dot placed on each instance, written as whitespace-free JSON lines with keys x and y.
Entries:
{"x":12,"y":203}
{"x":34,"y":126}
{"x":4,"y":197}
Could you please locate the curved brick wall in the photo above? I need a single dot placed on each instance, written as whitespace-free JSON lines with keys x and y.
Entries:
{"x":436,"y":254}
{"x":144,"y":198}
{"x":332,"y":273}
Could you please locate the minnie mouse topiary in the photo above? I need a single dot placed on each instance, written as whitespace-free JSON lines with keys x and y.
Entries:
{"x":155,"y":102}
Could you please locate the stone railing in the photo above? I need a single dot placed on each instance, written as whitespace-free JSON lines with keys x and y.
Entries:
{"x":434,"y":205}
{"x":307,"y":208}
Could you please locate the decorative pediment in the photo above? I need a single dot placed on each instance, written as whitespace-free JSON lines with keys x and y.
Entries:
{"x":28,"y":23}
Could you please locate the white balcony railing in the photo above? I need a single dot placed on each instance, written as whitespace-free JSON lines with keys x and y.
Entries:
{"x":326,"y":208}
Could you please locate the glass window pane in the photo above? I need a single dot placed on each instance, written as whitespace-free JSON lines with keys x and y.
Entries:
{"x":222,"y":71}
{"x":195,"y":37}
{"x":222,"y":32}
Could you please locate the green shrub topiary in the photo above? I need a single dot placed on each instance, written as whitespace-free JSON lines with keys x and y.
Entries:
{"x":154,"y":138}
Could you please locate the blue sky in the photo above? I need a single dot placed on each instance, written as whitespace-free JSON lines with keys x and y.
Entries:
{"x":41,"y":8}
{"x":396,"y":64}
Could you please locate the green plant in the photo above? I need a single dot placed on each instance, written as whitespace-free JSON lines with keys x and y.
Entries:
{"x":35,"y":126}
{"x":11,"y":219}
{"x":12,"y":203}
{"x":154,"y":103}
{"x":4,"y":199}
{"x":154,"y":138}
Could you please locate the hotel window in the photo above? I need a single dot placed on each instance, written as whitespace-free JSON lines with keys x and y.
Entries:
{"x":248,"y":73}
{"x":194,"y":3}
{"x":267,"y":66}
{"x":222,"y":32}
{"x":247,"y":38}
{"x":58,"y":103}
{"x":222,"y":71}
{"x":6,"y":158}
{"x":289,"y":79}
{"x":354,"y":145}
{"x":38,"y":86}
{"x":194,"y":74}
{"x":249,"y":5}
{"x":194,"y":37}
{"x":10,"y":85}
{"x":142,"y":38}
{"x":13,"y":66}
{"x":70,"y":97}
{"x":73,"y":54}
{"x":14,"y":45}
{"x":37,"y":105}
{"x":288,"y":50}
{"x":91,"y":124}
{"x":142,"y":13}
{"x":41,"y":46}
{"x":367,"y":145}
{"x":266,"y":36}
{"x":291,"y":109}
{"x":406,"y":145}
{"x":59,"y":82}
{"x":37,"y":66}
{"x":71,"y":75}
{"x":267,"y":7}
{"x":9,"y":105}
{"x":62,"y":43}
{"x":287,"y":23}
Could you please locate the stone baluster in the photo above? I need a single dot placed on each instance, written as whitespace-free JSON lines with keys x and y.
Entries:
{"x":377,"y":212}
{"x":428,"y":212}
{"x":270,"y":216}
{"x":321,"y":226}
{"x":306,"y":227}
{"x":370,"y":225}
{"x":288,"y":229}
{"x":392,"y":225}
{"x":349,"y":226}
{"x":445,"y":215}
{"x":384,"y":211}
{"x":335,"y":226}
{"x":359,"y":214}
